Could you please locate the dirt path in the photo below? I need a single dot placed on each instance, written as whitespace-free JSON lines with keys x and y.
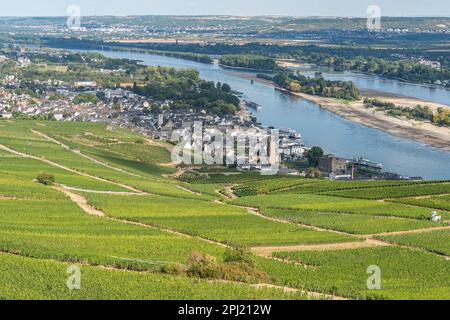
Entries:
{"x":432,"y":196}
{"x":188,"y":190}
{"x":229,"y":193}
{"x":57,"y":165}
{"x":78,"y":152}
{"x":81,"y":202}
{"x":268,"y":251}
{"x":115,"y":193}
{"x":398,"y":233}
{"x":285,"y":289}
{"x":175,"y":175}
{"x":256,"y":212}
{"x":102,"y":163}
{"x":311,"y":294}
{"x":7,"y":198}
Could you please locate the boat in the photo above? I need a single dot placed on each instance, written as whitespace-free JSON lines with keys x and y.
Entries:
{"x":367,"y":163}
{"x":253,"y":105}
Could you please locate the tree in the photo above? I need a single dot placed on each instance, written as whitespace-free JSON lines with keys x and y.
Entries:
{"x":226,"y":87}
{"x":314,"y":155}
{"x":46,"y":179}
{"x":294,"y":86}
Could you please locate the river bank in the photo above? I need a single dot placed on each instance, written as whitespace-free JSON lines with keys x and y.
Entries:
{"x":421,"y":131}
{"x":318,"y":126}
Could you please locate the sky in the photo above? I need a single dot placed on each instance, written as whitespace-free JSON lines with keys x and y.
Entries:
{"x":227,"y":7}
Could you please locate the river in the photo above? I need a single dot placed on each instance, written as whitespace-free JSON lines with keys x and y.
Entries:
{"x":320,"y":127}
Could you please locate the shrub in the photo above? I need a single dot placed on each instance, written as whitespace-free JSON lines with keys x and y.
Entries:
{"x":46,"y":179}
{"x":174,"y":269}
{"x":139,"y":141}
{"x":198,"y":258}
{"x":238,"y":266}
{"x":239,"y":255}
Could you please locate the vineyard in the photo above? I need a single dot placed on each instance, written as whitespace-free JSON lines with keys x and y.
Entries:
{"x":109,"y":201}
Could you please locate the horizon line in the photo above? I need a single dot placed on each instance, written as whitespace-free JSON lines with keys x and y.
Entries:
{"x":224,"y":15}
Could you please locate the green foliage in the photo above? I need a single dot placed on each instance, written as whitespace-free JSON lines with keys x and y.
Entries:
{"x":351,"y":223}
{"x":395,"y":192}
{"x":267,"y":186}
{"x":249,"y":62}
{"x":419,"y":112}
{"x":185,"y":90}
{"x":405,"y":274}
{"x":239,"y":255}
{"x":46,"y":179}
{"x":386,"y":66}
{"x":313,"y":156}
{"x":228,"y":224}
{"x":295,"y":82}
{"x":435,"y":202}
{"x":321,"y":203}
{"x":86,"y":98}
{"x":45,"y":279}
{"x":38,"y":222}
{"x":237,"y":266}
{"x":434,"y":241}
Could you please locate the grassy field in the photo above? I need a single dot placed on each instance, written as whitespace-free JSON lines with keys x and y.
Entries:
{"x":150,"y":237}
{"x":351,"y":223}
{"x":24,"y":278}
{"x":404,"y":274}
{"x":213,"y":221}
{"x":435,"y":202}
{"x":395,"y":192}
{"x":435,"y":241}
{"x":58,"y":229}
{"x":321,"y":203}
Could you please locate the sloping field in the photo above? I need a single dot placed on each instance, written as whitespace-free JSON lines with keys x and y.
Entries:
{"x":435,"y":241}
{"x":321,"y":203}
{"x":213,"y":221}
{"x":405,"y":274}
{"x":117,"y":211}
{"x":437,"y":202}
{"x":396,"y":192}
{"x":351,"y":223}
{"x":59,"y":229}
{"x":25,"y":278}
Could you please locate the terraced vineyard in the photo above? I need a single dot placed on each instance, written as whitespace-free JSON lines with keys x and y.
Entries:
{"x":441,"y":202}
{"x":116,"y":210}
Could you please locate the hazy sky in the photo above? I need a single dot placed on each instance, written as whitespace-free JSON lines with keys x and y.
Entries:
{"x":231,"y":7}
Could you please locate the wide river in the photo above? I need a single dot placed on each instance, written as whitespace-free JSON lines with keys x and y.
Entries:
{"x":320,"y":127}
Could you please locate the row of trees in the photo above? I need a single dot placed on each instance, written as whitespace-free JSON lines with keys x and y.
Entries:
{"x":402,"y":69}
{"x":441,"y":117}
{"x":249,"y":61}
{"x":295,"y":82}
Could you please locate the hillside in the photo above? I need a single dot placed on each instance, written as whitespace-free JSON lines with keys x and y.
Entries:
{"x":116,"y":210}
